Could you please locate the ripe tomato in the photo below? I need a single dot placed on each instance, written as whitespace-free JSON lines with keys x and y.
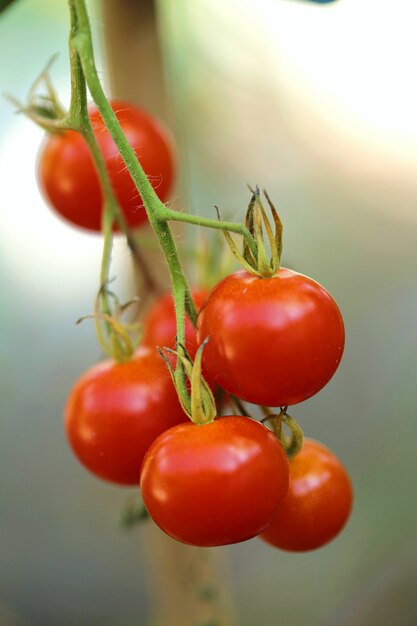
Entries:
{"x":160,"y":325}
{"x":272,"y":341}
{"x":116,"y":410}
{"x":318,"y":504}
{"x":214,"y":484}
{"x":68,"y":177}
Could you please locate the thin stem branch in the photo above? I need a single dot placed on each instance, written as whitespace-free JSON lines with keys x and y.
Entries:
{"x":233,"y":227}
{"x":79,"y":119}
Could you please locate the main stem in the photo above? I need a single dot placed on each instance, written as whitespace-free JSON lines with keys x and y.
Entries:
{"x":80,"y":120}
{"x":81,"y":42}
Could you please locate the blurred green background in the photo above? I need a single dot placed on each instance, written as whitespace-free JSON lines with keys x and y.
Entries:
{"x":316,"y":104}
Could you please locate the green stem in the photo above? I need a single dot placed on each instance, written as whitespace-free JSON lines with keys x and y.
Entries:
{"x":81,"y":42}
{"x":79,"y":119}
{"x":295,"y":443}
{"x":233,"y":227}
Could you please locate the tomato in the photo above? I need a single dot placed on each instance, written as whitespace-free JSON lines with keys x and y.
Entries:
{"x":214,"y":484}
{"x":160,"y":327}
{"x":68,"y":177}
{"x":116,"y":410}
{"x":318,"y":504}
{"x":272,"y":341}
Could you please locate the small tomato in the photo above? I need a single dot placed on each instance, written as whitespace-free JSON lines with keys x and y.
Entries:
{"x":69,"y":180}
{"x":318,"y":503}
{"x":116,"y":410}
{"x":272,"y":341}
{"x":215,"y":484}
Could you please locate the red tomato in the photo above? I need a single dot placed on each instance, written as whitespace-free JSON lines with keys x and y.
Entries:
{"x":272,"y":341}
{"x":68,"y":177}
{"x":160,"y":327}
{"x":116,"y":410}
{"x":214,"y":484}
{"x":318,"y":504}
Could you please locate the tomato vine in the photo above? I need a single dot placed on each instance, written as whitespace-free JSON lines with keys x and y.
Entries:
{"x":275,"y":317}
{"x":274,"y":338}
{"x":84,"y":73}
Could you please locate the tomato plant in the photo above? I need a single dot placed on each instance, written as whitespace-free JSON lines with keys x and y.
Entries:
{"x":214,"y":484}
{"x":69,"y":179}
{"x":274,"y":338}
{"x":272,"y":341}
{"x":116,"y":410}
{"x":160,"y":326}
{"x":318,"y":503}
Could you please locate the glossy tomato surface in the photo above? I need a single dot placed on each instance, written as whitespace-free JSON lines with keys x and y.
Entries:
{"x":272,"y":341}
{"x":318,"y":504}
{"x":116,"y":410}
{"x":214,"y":484}
{"x":160,"y":326}
{"x":69,"y":180}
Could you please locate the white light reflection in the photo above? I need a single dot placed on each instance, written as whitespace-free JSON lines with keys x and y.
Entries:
{"x":339,"y":70}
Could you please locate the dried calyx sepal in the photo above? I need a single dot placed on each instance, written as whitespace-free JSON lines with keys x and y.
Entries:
{"x":118,"y":339}
{"x":44,"y":109}
{"x":293,"y":442}
{"x":262,"y":263}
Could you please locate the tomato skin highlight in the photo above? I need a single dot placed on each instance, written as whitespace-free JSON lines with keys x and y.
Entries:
{"x":160,"y":326}
{"x":116,"y":410}
{"x":318,"y":505}
{"x":215,"y":484}
{"x":272,"y":341}
{"x":69,"y":180}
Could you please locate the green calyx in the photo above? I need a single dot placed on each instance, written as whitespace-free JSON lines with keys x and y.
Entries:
{"x":291,"y":443}
{"x":199,"y":403}
{"x":264,"y":257}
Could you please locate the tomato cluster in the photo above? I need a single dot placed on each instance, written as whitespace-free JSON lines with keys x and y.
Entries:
{"x":274,"y":341}
{"x":271,"y":341}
